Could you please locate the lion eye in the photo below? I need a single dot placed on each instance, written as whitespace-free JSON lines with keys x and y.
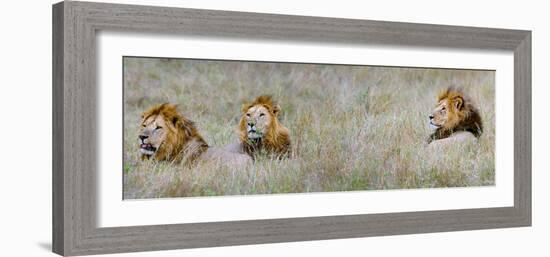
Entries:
{"x":443,"y":108}
{"x":143,"y":125}
{"x":158,"y":127}
{"x":262,"y":114}
{"x":248,"y":115}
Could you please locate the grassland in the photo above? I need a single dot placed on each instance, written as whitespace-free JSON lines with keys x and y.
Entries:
{"x":352,"y":127}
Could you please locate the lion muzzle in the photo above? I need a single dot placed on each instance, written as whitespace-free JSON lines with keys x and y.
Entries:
{"x":252,"y":131}
{"x":147,"y":149}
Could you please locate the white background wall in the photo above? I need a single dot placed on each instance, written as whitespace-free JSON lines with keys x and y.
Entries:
{"x":25,"y":145}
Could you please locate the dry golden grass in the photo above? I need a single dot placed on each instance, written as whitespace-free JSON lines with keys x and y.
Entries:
{"x":353,"y":127}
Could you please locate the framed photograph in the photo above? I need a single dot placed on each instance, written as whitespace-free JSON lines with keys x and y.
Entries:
{"x":183,"y":128}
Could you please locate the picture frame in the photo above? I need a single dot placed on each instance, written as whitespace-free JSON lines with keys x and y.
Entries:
{"x":75,"y":25}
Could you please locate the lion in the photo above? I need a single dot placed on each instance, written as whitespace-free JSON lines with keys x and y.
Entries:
{"x":166,"y":135}
{"x":260,"y":130}
{"x":454,"y":118}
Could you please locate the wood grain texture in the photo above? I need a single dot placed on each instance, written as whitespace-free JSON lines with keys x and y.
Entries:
{"x":57,"y":130}
{"x":522,"y":128}
{"x":75,"y":25}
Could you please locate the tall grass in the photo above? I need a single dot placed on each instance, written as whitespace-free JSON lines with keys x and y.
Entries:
{"x":352,"y":127}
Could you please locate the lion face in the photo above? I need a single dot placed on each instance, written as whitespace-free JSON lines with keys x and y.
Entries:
{"x":260,"y":129}
{"x":454,"y":113}
{"x":446,"y":113}
{"x":152,"y":134}
{"x":257,"y":119}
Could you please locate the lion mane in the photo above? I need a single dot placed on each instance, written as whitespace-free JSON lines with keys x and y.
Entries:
{"x":461,"y":115}
{"x":275,"y":141}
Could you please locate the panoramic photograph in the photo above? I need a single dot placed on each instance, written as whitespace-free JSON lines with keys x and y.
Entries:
{"x":197,"y":128}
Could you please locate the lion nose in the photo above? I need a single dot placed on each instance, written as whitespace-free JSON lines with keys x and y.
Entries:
{"x":431,"y":117}
{"x":251,"y":124}
{"x":143,"y":137}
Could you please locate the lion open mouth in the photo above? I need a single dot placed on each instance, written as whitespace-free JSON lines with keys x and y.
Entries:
{"x":147,"y":149}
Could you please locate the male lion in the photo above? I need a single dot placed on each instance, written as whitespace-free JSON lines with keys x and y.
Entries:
{"x":454,"y":117}
{"x":166,"y":135}
{"x":261,"y":131}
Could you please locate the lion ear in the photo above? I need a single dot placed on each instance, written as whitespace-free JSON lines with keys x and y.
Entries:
{"x":184,"y":124}
{"x":175,"y":121}
{"x":276,"y":109}
{"x":459,"y":102}
{"x":187,"y":128}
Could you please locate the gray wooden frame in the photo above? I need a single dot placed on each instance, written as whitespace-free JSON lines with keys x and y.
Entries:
{"x":75,"y":25}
